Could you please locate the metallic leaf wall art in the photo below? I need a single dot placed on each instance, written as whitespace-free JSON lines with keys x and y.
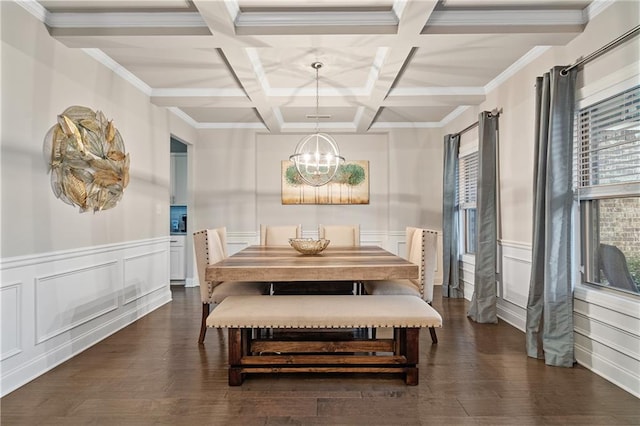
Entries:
{"x":89,"y":167}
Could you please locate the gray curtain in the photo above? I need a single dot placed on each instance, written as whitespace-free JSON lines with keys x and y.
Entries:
{"x":550,"y":304}
{"x":451,"y":286}
{"x":483,"y":303}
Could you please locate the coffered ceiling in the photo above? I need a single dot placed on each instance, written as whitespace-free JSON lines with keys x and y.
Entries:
{"x":247,"y":63}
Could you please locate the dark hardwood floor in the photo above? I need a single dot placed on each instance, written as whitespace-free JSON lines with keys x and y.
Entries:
{"x":154,"y":372}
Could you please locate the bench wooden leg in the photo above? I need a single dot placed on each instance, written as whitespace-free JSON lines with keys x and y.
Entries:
{"x":411,"y":376}
{"x":203,"y":324}
{"x":236,"y":349}
{"x":410,"y":347}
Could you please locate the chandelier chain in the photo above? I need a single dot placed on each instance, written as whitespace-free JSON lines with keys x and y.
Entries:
{"x":317,"y":67}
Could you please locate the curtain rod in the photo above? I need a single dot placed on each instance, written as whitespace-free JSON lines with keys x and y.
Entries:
{"x":466,"y":129}
{"x":624,"y":37}
{"x":493,"y":113}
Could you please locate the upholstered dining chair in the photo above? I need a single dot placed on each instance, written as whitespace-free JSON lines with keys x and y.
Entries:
{"x":422,"y":246}
{"x":279,"y":235}
{"x":340,"y":235}
{"x":210,"y":246}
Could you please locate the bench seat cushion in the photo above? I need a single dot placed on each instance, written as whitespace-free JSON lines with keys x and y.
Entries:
{"x":323,"y":312}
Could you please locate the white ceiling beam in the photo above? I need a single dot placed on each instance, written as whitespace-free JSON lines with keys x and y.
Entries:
{"x":412,"y":20}
{"x":220,"y":18}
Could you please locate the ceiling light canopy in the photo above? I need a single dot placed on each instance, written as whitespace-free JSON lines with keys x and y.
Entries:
{"x":317,"y":157}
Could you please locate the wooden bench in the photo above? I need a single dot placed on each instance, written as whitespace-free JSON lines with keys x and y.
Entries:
{"x":304,"y":351}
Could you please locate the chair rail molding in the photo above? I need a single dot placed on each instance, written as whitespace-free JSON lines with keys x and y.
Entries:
{"x":57,"y":304}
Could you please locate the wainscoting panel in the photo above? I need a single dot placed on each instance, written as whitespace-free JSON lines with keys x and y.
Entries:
{"x":607,"y":335}
{"x":142,"y":275}
{"x":11,"y":320}
{"x":467,"y":276}
{"x":55,"y":305}
{"x":381,"y":239}
{"x":67,"y":299}
{"x":514,"y":286}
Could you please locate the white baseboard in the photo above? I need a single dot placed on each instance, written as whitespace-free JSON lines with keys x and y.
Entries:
{"x":512,"y":314}
{"x":608,"y":368}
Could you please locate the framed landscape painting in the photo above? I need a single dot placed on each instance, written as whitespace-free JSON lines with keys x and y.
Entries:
{"x":350,"y":185}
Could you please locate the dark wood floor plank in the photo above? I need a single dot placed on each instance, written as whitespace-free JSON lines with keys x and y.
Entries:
{"x":154,"y":372}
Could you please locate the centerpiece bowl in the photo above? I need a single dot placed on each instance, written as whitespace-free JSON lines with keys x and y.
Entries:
{"x":309,"y":245}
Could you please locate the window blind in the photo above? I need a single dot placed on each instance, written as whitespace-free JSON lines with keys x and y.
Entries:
{"x":467,"y":180}
{"x":608,"y":144}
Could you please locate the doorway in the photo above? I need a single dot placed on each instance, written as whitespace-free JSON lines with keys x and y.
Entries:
{"x":178,"y":216}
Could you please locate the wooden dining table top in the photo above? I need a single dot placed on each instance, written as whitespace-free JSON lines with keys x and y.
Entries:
{"x":284,"y":263}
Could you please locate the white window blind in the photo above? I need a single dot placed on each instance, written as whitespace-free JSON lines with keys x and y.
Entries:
{"x":608,"y":145}
{"x":467,"y":180}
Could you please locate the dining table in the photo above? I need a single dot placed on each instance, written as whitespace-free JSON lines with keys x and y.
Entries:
{"x":285,"y":264}
{"x":335,"y":336}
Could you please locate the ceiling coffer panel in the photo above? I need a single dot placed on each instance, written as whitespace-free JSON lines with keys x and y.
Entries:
{"x":248,"y":62}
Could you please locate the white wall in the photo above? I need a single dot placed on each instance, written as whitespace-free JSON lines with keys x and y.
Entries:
{"x":236,"y":175}
{"x":40,"y":79}
{"x":237,"y":181}
{"x":607,"y":323}
{"x":71,"y":279}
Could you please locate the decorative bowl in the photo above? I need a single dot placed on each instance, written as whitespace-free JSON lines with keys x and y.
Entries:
{"x":308,"y":245}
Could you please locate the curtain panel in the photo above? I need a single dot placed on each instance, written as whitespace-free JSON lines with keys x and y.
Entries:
{"x":451,"y":286}
{"x":483,"y":303}
{"x":549,"y":327}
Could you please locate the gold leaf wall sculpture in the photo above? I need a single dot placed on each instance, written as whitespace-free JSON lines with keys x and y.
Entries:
{"x":89,"y":166}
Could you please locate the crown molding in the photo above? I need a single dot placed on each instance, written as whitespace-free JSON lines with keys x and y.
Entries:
{"x":453,"y":115}
{"x":437,"y":91}
{"x":406,"y":125}
{"x":106,"y":60}
{"x":197,"y":92}
{"x":525,"y":60}
{"x":316,"y":19}
{"x":35,"y":9}
{"x":505,"y":17}
{"x":183,"y":116}
{"x":126,"y":20}
{"x":221,"y":126}
{"x":312,"y":126}
{"x":595,"y":8}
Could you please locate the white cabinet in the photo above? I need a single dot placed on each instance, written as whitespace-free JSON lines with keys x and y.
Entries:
{"x":179,"y":178}
{"x":177,"y":256}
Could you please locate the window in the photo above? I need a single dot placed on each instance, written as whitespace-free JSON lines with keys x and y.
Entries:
{"x":608,"y":188}
{"x":467,"y":184}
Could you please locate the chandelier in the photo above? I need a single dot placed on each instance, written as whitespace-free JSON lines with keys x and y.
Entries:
{"x":317,"y":157}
